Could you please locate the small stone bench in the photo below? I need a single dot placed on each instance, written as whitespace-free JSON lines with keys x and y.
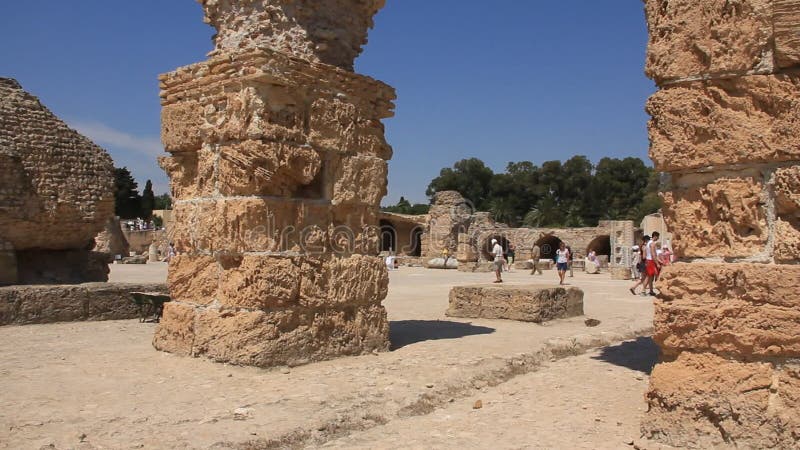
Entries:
{"x":527,"y":303}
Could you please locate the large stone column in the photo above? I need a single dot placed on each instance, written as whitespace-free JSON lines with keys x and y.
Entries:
{"x":726,"y":129}
{"x":278,"y":166}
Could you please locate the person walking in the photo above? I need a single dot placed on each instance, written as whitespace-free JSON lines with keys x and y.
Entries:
{"x":640,"y":266}
{"x":569,"y":263}
{"x":511,"y":256}
{"x":536,"y":253}
{"x":651,"y":263}
{"x":499,"y":261}
{"x":562,"y":262}
{"x":636,"y":258}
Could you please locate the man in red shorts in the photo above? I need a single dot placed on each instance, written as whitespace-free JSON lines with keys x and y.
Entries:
{"x":652,"y":266}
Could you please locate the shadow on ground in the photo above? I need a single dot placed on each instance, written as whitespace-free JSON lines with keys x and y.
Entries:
{"x":640,"y":355}
{"x":407,"y":332}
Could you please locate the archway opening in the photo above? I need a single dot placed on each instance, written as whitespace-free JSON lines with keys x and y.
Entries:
{"x":548,"y":246}
{"x":486,"y":249}
{"x":388,"y":236}
{"x":416,"y":242}
{"x":601,"y":245}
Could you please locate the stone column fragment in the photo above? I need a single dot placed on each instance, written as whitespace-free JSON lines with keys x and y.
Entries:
{"x":278,"y":166}
{"x":725,"y":127}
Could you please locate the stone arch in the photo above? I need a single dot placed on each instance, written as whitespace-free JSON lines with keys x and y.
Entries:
{"x":548,"y":245}
{"x":388,"y":237}
{"x":601,"y":245}
{"x":416,"y":242}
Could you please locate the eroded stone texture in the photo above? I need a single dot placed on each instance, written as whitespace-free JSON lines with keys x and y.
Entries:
{"x":328,"y":31}
{"x":706,"y":401}
{"x":725,"y":125}
{"x":277,"y":167}
{"x":690,"y":37}
{"x":723,"y":216}
{"x":725,"y":121}
{"x":787,"y":32}
{"x":740,"y":309}
{"x":524,"y":303}
{"x":55,"y":190}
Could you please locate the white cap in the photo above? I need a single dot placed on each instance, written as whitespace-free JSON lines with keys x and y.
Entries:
{"x":494,"y":241}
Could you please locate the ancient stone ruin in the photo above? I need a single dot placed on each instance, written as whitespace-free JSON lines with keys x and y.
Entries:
{"x":56,"y":194}
{"x":726,"y":128}
{"x":522,"y":303}
{"x":277,"y":167}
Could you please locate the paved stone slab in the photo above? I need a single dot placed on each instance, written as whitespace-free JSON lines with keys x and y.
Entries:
{"x":529,"y":303}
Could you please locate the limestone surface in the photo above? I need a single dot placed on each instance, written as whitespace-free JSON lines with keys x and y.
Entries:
{"x":327,"y":31}
{"x":523,"y":303}
{"x":277,"y":166}
{"x":55,"y":185}
{"x":25,"y":305}
{"x":725,"y":122}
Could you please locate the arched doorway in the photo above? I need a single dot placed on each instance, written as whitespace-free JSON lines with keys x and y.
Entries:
{"x":486,"y":248}
{"x":601,"y":245}
{"x":416,"y":242}
{"x":548,"y":245}
{"x":388,"y":236}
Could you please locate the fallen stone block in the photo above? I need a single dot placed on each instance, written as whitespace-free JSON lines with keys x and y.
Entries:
{"x":523,"y":303}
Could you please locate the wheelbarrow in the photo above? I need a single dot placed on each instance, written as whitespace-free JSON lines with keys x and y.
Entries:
{"x":151,"y":305}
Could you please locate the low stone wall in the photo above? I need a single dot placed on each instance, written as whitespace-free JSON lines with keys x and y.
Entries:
{"x":24,"y":305}
{"x":524,"y":303}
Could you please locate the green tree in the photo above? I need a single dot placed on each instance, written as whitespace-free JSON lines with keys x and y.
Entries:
{"x":127,"y":202}
{"x":470,"y":177}
{"x":621,"y":185}
{"x":405,"y":207}
{"x":148,"y":201}
{"x":163,"y":201}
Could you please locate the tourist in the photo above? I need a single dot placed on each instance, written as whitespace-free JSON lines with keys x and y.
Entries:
{"x":666,"y":256}
{"x":636,"y":258}
{"x":536,"y":253}
{"x":569,"y":262}
{"x":640,"y":266}
{"x":562,"y":262}
{"x":499,"y":261}
{"x":652,"y":266}
{"x":511,"y":255}
{"x":390,"y":262}
{"x":591,"y":259}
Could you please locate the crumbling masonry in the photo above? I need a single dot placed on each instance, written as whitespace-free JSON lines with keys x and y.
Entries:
{"x":278,"y":165}
{"x":726,"y":129}
{"x":56,"y":194}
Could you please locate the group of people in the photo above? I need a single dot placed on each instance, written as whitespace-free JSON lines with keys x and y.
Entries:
{"x":503,"y":260}
{"x":649,"y":259}
{"x":140,"y":224}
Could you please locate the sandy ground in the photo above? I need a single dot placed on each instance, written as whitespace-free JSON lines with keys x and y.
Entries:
{"x":101,"y":385}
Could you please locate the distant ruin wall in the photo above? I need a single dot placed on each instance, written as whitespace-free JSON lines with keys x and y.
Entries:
{"x":277,"y":167}
{"x":726,"y":128}
{"x":56,"y":194}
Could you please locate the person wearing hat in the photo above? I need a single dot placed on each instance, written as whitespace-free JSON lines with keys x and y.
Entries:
{"x":636,"y":258}
{"x":499,"y":261}
{"x":640,"y":267}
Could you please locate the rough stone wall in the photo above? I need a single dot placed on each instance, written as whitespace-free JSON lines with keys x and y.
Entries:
{"x":450,"y":214}
{"x":327,"y":31}
{"x":726,"y":128}
{"x":277,"y":167}
{"x":56,"y":194}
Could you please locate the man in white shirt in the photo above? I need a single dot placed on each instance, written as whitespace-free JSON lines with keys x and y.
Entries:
{"x":499,"y":261}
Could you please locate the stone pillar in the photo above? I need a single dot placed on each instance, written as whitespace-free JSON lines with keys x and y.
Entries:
{"x":277,"y":166}
{"x":726,"y":129}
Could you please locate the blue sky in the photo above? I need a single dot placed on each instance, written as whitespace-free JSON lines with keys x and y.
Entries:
{"x":506,"y":80}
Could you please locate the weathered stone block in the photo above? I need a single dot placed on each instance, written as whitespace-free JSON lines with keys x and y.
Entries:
{"x":175,"y":332}
{"x":787,"y":32}
{"x":194,"y":279}
{"x":261,"y":282}
{"x":289,"y":336}
{"x":737,"y":309}
{"x":710,"y":216}
{"x":266,"y":168}
{"x":725,"y":122}
{"x":706,"y":401}
{"x":23,"y":305}
{"x":338,"y":125}
{"x":690,"y":38}
{"x":523,"y":303}
{"x":360,"y":180}
{"x":181,"y":126}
